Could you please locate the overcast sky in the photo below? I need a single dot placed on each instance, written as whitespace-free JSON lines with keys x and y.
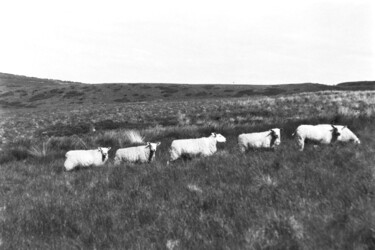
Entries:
{"x":245,"y":42}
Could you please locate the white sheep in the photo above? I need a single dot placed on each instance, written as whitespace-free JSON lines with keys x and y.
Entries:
{"x":85,"y":158}
{"x":204,"y":146}
{"x":266,"y":139}
{"x":144,"y":153}
{"x":323,"y":134}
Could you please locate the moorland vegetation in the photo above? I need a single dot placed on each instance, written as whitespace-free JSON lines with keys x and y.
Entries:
{"x":322,"y":198}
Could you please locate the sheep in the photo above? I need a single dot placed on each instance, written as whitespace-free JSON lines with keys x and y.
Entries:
{"x":204,"y":146}
{"x":144,"y":153}
{"x":86,"y":158}
{"x":266,"y":139}
{"x":323,"y":134}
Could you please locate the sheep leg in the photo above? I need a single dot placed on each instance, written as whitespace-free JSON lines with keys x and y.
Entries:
{"x":173,"y":155}
{"x":117,"y":161}
{"x":301,"y":143}
{"x":242,"y":148}
{"x":68,"y":166}
{"x":205,"y":154}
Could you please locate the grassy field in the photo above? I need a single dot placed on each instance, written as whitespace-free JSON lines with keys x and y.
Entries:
{"x":21,"y":92}
{"x":322,"y":198}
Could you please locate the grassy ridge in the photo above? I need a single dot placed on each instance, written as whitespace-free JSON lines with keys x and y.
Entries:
{"x":20,"y":92}
{"x":321,"y":198}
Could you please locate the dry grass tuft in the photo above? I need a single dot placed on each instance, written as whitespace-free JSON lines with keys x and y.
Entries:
{"x":41,"y":150}
{"x":133,"y":136}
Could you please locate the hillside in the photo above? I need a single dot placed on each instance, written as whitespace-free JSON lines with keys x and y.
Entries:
{"x":30,"y":92}
{"x":321,"y":198}
{"x":360,"y":85}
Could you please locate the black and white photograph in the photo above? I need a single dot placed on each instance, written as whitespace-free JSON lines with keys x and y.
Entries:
{"x":187,"y":124}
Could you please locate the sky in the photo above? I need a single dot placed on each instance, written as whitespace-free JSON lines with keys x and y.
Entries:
{"x":165,"y":41}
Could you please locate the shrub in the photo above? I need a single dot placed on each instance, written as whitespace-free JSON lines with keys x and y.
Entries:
{"x":119,"y":138}
{"x":73,"y":93}
{"x":38,"y":151}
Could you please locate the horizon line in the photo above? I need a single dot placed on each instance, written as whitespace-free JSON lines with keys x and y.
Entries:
{"x":186,"y":83}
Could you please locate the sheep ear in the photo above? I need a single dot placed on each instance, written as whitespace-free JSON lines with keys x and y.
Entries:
{"x":158,"y":143}
{"x":213,"y":134}
{"x":99,"y":149}
{"x":109,"y":148}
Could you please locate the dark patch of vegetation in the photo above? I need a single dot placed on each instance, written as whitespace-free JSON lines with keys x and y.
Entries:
{"x":22,"y":93}
{"x":72,"y":94}
{"x":360,"y":85}
{"x":6,"y":104}
{"x":60,"y":129}
{"x":9,"y":93}
{"x":244,"y":93}
{"x":13,"y":154}
{"x":56,"y":91}
{"x":124,"y":99}
{"x":168,"y":90}
{"x":87,"y":88}
{"x":44,"y":95}
{"x":109,"y":124}
{"x":146,"y":87}
{"x":273,"y":91}
{"x":200,"y":94}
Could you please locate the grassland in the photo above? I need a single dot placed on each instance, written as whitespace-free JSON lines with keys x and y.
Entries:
{"x":21,"y":92}
{"x":322,"y":198}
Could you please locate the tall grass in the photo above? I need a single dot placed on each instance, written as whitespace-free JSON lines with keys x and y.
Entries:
{"x":318,"y":199}
{"x":322,"y":198}
{"x":38,"y":151}
{"x":133,"y":137}
{"x":254,"y":110}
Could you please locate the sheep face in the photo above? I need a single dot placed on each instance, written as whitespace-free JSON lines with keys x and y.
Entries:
{"x":104,"y":152}
{"x":347,"y":135}
{"x":152,"y":146}
{"x":219,"y":137}
{"x":275,"y":137}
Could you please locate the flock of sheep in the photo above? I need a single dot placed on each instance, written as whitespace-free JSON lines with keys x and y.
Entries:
{"x":206,"y":146}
